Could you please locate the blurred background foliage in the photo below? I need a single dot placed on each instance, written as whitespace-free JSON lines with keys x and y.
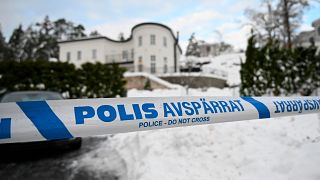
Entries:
{"x":90,"y":80}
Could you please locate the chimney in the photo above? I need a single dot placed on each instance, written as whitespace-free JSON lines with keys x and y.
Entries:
{"x":177,"y":36}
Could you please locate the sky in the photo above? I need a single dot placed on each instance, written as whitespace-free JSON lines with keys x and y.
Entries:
{"x":210,"y":20}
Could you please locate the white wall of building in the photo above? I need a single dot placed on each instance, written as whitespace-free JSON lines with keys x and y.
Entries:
{"x":164,"y":54}
{"x":128,"y":51}
{"x":85,"y":48}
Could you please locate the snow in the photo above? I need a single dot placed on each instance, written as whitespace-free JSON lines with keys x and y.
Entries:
{"x":281,"y":148}
{"x":229,"y":63}
{"x":278,"y":149}
{"x":153,"y":78}
{"x":222,"y":66}
{"x":196,"y":74}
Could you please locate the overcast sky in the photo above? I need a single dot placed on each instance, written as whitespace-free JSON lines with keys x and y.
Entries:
{"x":109,"y":17}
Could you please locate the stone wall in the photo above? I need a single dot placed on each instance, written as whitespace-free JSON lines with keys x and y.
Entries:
{"x":138,"y":82}
{"x":196,"y":81}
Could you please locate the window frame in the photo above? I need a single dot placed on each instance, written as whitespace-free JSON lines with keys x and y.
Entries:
{"x":165,"y":43}
{"x":153,"y":68}
{"x":165,"y":65}
{"x":94,"y":54}
{"x":152,"y":39}
{"x":140,"y":41}
{"x":68,"y":56}
{"x":140,"y":64}
{"x":79,"y":55}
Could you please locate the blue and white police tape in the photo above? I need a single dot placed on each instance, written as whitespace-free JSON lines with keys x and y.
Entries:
{"x":64,"y":119}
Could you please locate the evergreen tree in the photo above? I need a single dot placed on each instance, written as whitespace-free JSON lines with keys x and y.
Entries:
{"x":121,"y":36}
{"x":91,"y":80}
{"x":4,"y":49}
{"x":193,"y":48}
{"x":147,"y":85}
{"x":16,"y":44}
{"x":273,"y":69}
{"x":248,"y":68}
{"x":78,"y":32}
{"x":94,"y":33}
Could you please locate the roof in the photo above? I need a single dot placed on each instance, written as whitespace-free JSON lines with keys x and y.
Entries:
{"x":128,"y":39}
{"x":316,"y":22}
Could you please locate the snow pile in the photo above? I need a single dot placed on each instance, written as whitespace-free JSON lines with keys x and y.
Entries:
{"x":180,"y":92}
{"x":229,"y":63}
{"x":223,"y":66}
{"x":153,"y":78}
{"x":286,"y":148}
{"x":223,"y":74}
{"x":282,"y":148}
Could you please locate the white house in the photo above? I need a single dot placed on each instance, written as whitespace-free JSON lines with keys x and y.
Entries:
{"x":305,"y":38}
{"x":151,"y":47}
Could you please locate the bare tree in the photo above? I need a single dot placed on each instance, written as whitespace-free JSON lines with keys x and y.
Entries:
{"x":264,"y":22}
{"x":279,"y":19}
{"x":291,"y":12}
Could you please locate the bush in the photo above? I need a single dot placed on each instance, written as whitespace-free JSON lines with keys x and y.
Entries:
{"x":274,"y":70}
{"x":91,"y":80}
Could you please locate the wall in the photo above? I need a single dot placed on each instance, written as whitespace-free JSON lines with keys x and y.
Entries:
{"x":159,"y":50}
{"x":85,"y":47}
{"x":109,"y":51}
{"x":195,"y":81}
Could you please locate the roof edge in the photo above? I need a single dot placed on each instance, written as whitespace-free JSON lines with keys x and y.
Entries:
{"x":129,"y":38}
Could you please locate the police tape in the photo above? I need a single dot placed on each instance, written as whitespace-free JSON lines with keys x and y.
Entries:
{"x":64,"y":119}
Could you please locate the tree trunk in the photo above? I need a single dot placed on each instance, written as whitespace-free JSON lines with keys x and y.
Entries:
{"x":287,"y":23}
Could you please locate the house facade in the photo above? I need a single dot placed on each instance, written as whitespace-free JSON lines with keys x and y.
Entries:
{"x":213,"y":49}
{"x":151,"y":47}
{"x":305,"y":38}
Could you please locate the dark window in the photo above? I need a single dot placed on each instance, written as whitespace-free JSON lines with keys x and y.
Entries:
{"x":165,"y":65}
{"x":132,"y":54}
{"x":153,"y":64}
{"x":125,"y":55}
{"x":208,"y":49}
{"x":152,"y":39}
{"x":140,"y":40}
{"x":164,"y":41}
{"x":94,"y":54}
{"x":68,"y":56}
{"x":140,"y":65}
{"x":79,"y":55}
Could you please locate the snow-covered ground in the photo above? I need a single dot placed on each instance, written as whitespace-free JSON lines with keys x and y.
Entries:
{"x":281,"y":148}
{"x":229,"y":63}
{"x":224,"y":65}
{"x":153,"y":78}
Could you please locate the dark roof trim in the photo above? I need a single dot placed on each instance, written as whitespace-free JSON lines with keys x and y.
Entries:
{"x":120,"y":63}
{"x":128,"y":39}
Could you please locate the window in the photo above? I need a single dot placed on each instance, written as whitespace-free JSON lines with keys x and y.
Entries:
{"x":165,"y":65}
{"x":152,"y":39}
{"x":113,"y":58}
{"x":153,"y":64}
{"x":164,"y":41}
{"x":208,"y":49}
{"x":68,"y":56}
{"x":94,"y":54}
{"x":79,"y":55}
{"x":132,"y":54}
{"x":140,"y":65}
{"x":106,"y":58}
{"x":140,"y":40}
{"x":125,"y":55}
